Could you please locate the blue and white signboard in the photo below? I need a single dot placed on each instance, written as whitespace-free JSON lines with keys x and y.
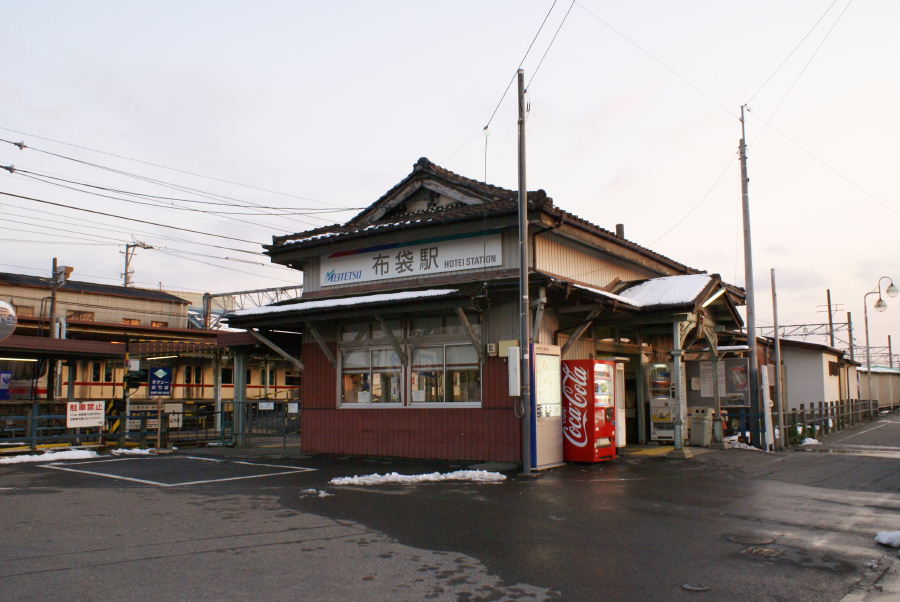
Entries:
{"x":161,"y":381}
{"x":5,"y":377}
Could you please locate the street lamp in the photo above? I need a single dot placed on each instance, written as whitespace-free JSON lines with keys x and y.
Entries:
{"x":880,"y":305}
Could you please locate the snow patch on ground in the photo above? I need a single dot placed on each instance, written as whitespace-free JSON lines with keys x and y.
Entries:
{"x":810,"y":441}
{"x":433,"y":477}
{"x":51,"y":456}
{"x":888,"y":538}
{"x":316,"y":493}
{"x":733,"y":443}
{"x":133,"y":452}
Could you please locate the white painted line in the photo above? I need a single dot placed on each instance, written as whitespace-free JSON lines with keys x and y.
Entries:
{"x":871,"y":428}
{"x":103,"y":474}
{"x":290,"y":470}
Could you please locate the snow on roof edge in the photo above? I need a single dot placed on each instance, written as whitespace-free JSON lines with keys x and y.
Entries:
{"x":341,"y":302}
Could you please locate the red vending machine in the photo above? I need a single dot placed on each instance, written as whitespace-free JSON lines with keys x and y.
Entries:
{"x":589,"y":410}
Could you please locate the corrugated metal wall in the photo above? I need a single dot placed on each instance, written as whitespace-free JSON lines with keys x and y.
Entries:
{"x":581,"y":263}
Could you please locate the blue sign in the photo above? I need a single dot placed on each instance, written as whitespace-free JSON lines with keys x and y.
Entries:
{"x":5,"y":377}
{"x":160,"y":381}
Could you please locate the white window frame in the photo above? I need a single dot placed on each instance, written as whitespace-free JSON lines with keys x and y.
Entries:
{"x":370,"y":404}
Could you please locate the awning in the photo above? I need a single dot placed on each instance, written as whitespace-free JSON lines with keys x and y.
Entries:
{"x":323,"y":308}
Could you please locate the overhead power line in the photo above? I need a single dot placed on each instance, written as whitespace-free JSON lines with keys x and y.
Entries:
{"x":131,"y":219}
{"x":169,"y":168}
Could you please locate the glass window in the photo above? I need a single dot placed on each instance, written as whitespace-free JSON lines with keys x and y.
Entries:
{"x":107,"y":372}
{"x":463,"y":373}
{"x":131,"y":321}
{"x":271,"y":376}
{"x":84,"y":316}
{"x":227,"y":376}
{"x":427,"y":374}
{"x":355,"y":376}
{"x":187,"y":375}
{"x":198,"y":375}
{"x":158,"y":324}
{"x":422,"y":327}
{"x":249,"y":376}
{"x":95,"y":372}
{"x":386,"y":376}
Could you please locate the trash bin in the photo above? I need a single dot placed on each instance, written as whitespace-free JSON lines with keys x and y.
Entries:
{"x":701,"y":426}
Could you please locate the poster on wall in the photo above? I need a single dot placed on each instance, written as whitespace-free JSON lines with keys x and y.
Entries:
{"x":470,"y":251}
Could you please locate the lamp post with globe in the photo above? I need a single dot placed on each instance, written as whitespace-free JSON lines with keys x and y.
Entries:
{"x":880,"y":305}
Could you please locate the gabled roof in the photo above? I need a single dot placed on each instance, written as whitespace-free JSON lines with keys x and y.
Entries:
{"x":475,"y":200}
{"x":91,"y":287}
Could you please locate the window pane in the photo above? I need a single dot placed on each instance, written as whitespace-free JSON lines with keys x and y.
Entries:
{"x":95,"y":372}
{"x":107,"y":372}
{"x":463,"y":374}
{"x":227,"y":376}
{"x":355,"y":386}
{"x":385,"y":376}
{"x":428,"y":374}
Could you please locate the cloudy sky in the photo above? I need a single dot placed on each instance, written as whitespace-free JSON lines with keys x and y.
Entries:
{"x":316,"y":106}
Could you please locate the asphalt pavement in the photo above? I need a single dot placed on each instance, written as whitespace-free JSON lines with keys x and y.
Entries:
{"x":267,"y":524}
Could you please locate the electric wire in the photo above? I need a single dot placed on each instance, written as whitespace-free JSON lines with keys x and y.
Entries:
{"x":132,"y":219}
{"x":228,"y":268}
{"x":802,"y":71}
{"x":506,"y":91}
{"x":658,"y":61}
{"x":284,"y":210}
{"x":547,"y":50}
{"x":96,"y":226}
{"x":158,"y":182}
{"x":120,"y":242}
{"x":169,"y":168}
{"x":791,"y":53}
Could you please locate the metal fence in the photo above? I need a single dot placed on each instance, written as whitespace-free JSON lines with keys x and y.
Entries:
{"x":33,"y":425}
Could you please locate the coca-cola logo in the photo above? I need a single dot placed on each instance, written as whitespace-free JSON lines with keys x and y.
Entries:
{"x":574,"y":387}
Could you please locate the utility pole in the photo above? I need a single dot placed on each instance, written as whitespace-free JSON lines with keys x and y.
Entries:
{"x":756,"y":409}
{"x":129,"y":253}
{"x":830,"y":319}
{"x":850,"y":334}
{"x":779,"y":399}
{"x":890,"y":353}
{"x":524,"y":306}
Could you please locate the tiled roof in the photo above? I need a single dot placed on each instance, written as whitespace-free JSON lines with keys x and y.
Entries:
{"x":91,"y":287}
{"x":495,"y":201}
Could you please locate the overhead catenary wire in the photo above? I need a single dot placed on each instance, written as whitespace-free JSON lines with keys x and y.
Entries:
{"x":550,"y":45}
{"x":227,"y":268}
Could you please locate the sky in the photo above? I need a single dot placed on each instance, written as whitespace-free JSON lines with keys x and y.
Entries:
{"x":315,"y":107}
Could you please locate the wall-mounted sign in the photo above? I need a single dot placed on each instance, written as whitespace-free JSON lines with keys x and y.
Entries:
{"x":160,"y":381}
{"x":414,"y":258}
{"x":84,"y":414}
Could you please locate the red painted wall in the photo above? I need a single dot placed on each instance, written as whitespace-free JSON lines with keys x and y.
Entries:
{"x":491,"y":432}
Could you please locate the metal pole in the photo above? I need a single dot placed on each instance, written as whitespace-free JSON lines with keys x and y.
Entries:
{"x":755,"y":409}
{"x":850,"y":335}
{"x":678,"y":436}
{"x":779,"y":400}
{"x":890,"y":353}
{"x":524,"y":321}
{"x":830,"y":319}
{"x":868,"y":356}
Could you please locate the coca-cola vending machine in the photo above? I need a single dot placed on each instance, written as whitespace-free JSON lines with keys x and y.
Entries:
{"x":589,"y":410}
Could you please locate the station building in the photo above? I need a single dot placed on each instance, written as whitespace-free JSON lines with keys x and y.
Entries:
{"x":409,"y":309}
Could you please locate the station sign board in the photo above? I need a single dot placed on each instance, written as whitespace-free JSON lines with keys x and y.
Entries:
{"x":452,"y":253}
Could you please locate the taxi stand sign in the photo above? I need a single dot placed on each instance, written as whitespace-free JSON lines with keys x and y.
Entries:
{"x":85,"y":414}
{"x":161,"y":382}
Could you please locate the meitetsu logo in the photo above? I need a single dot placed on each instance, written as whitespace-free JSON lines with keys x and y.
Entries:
{"x":333,"y":276}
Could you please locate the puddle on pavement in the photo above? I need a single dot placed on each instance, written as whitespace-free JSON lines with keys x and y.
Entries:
{"x":773,"y":552}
